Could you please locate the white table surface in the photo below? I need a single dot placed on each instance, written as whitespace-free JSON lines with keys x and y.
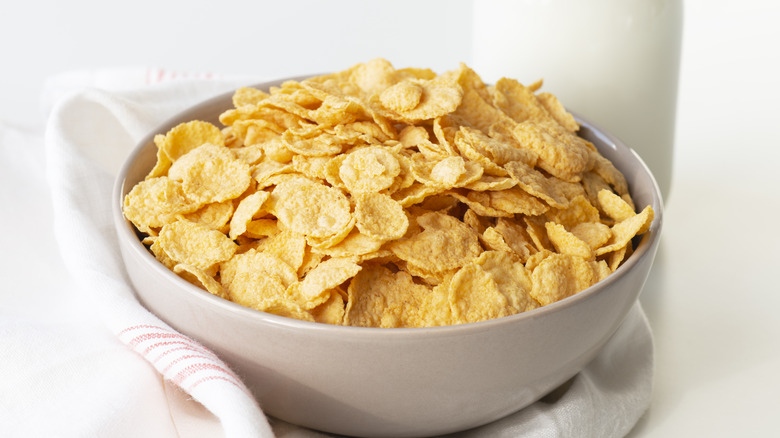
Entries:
{"x":713,"y":297}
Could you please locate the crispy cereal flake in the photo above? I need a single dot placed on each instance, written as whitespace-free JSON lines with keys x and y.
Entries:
{"x":310,"y":208}
{"x":195,"y":244}
{"x":211,"y":173}
{"x":380,"y":217}
{"x":155,"y":202}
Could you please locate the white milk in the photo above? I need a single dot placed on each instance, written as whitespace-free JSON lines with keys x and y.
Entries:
{"x":615,"y":62}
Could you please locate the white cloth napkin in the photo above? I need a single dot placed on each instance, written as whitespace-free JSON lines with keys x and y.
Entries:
{"x":91,"y":361}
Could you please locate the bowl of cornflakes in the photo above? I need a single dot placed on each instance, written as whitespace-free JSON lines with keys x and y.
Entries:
{"x":389,"y":252}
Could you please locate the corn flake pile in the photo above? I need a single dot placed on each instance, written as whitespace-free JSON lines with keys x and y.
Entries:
{"x":386,"y":197}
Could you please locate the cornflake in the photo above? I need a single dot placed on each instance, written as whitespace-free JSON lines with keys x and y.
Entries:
{"x":384,"y":197}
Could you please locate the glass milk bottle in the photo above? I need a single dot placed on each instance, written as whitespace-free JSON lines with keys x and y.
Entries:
{"x":615,"y":62}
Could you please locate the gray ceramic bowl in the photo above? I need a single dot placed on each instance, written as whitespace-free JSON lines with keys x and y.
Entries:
{"x":394,"y":382}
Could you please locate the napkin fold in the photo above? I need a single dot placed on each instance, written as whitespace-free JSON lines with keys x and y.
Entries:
{"x":94,"y":120}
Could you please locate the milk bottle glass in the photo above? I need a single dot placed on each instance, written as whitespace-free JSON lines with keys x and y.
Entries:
{"x":615,"y":62}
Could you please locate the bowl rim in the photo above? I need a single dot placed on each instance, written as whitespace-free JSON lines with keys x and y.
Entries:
{"x":126,"y":233}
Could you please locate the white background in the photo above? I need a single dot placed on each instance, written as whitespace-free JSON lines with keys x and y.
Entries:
{"x":264,"y":38}
{"x":714,"y":294}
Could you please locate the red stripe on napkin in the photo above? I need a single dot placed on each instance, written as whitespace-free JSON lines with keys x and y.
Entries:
{"x":190,"y":363}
